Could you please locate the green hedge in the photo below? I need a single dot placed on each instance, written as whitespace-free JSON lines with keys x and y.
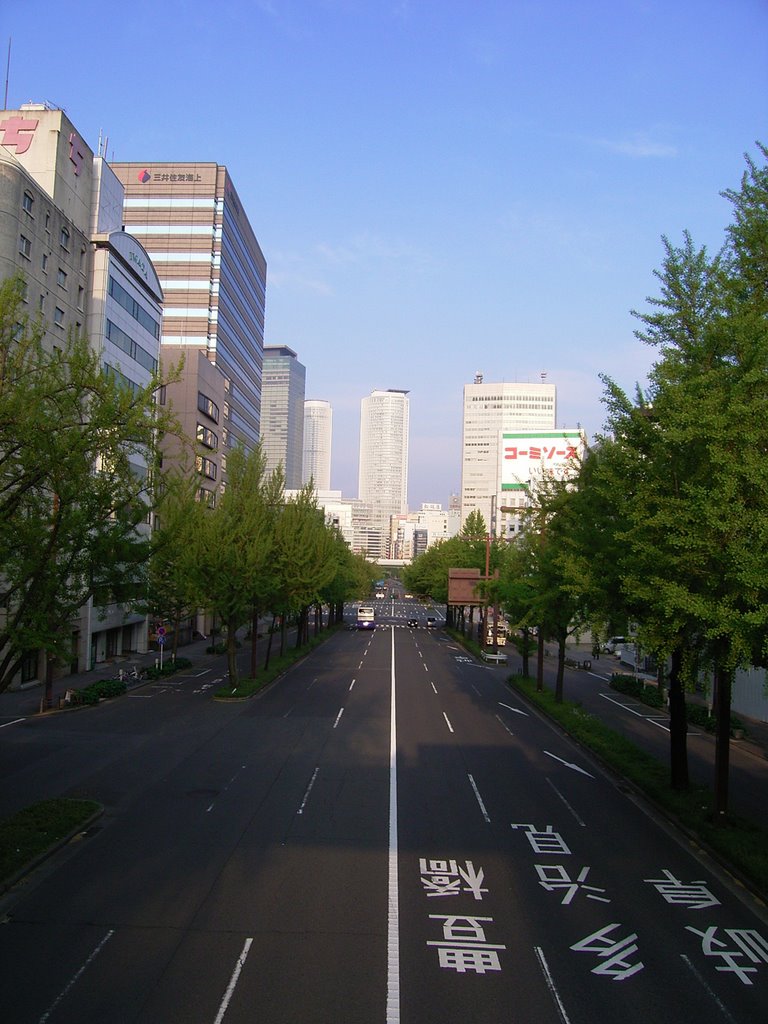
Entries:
{"x":170,"y":665}
{"x":101,"y":690}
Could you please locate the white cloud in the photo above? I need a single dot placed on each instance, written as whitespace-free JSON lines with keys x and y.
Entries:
{"x":640,"y":146}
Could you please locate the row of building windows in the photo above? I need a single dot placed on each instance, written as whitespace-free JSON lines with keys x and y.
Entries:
{"x":126,"y":300}
{"x":123,"y":341}
{"x":113,"y":373}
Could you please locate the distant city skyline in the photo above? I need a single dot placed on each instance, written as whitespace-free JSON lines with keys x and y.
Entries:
{"x":438,"y":189}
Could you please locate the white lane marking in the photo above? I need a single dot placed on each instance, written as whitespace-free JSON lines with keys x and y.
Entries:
{"x":568,"y":764}
{"x":652,"y":719}
{"x":72,"y":981}
{"x":433,"y":685}
{"x":233,"y":981}
{"x":516,"y":710}
{"x":551,"y":984}
{"x":426,"y":669}
{"x":504,"y":724}
{"x":557,"y":791}
{"x":225,"y":788}
{"x":393,"y":897}
{"x":447,"y":722}
{"x":479,"y":798}
{"x":707,"y":989}
{"x":351,"y":684}
{"x":338,"y":717}
{"x":14,"y":722}
{"x":309,"y":789}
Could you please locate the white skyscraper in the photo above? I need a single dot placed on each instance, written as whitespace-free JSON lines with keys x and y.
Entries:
{"x":383,"y":468}
{"x":318,"y":430}
{"x":490,"y":409}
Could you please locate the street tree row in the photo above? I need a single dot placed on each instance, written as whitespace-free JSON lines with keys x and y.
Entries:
{"x":665,"y":523}
{"x":81,"y":480}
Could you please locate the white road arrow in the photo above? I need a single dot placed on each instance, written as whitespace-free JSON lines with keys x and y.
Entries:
{"x":516,"y":710}
{"x":569,"y":765}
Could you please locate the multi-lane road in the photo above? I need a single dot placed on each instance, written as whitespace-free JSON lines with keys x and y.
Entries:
{"x":386,"y":834}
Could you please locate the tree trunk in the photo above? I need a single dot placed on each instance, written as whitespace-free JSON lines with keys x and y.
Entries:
{"x":525,"y":651}
{"x":232,"y":652}
{"x":254,"y":639}
{"x":560,"y":669}
{"x":540,"y":661}
{"x":678,"y":724}
{"x":723,"y":680}
{"x":269,"y":642}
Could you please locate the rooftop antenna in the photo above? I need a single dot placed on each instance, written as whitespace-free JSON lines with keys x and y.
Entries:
{"x":543,"y":376}
{"x":7,"y":74}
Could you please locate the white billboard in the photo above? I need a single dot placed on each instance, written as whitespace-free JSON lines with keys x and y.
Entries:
{"x":527,"y":456}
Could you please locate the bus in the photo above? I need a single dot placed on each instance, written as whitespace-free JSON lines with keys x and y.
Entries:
{"x":365,"y":617}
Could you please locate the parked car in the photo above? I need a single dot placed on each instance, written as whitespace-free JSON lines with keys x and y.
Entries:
{"x":616,"y":642}
{"x":413,"y":622}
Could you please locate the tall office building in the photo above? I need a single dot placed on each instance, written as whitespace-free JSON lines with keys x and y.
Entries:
{"x":61,"y":225}
{"x":490,"y":409}
{"x":213,"y":275}
{"x":318,"y":432}
{"x":282,"y":412}
{"x":383,"y":467}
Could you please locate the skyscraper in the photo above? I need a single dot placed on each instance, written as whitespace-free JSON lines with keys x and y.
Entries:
{"x":383,"y":467}
{"x":318,"y":432}
{"x":213,"y":275}
{"x":490,"y":409}
{"x":282,"y":411}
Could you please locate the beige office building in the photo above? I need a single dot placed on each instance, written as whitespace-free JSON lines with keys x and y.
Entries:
{"x":213,"y":275}
{"x":490,"y":409}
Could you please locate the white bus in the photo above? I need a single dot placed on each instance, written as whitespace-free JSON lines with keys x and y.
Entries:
{"x":365,"y":617}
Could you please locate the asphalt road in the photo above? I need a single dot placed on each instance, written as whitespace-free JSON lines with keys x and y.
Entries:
{"x":386,"y":834}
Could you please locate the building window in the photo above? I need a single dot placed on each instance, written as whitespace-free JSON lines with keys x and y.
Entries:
{"x":82,"y":259}
{"x":64,"y":239}
{"x":58,"y":317}
{"x":28,"y":202}
{"x":61,"y":278}
{"x":207,"y":437}
{"x":127,"y":301}
{"x":42,"y":303}
{"x":80,"y":296}
{"x":44,"y":263}
{"x":25,"y":246}
{"x":208,"y":407}
{"x":206,"y":467}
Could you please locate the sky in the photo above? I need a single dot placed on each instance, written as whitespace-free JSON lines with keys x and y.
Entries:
{"x":439,"y":187}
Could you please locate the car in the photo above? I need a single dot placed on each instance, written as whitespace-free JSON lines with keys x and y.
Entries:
{"x":413,"y":622}
{"x":616,"y":642}
{"x":431,"y":621}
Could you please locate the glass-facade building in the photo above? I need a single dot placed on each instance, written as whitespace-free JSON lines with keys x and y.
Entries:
{"x":213,"y":274}
{"x":282,"y":412}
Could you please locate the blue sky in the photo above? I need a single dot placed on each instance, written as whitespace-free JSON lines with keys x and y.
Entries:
{"x":439,"y":187}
